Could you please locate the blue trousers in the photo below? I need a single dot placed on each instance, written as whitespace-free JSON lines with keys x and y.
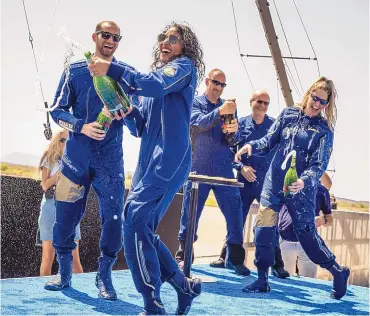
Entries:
{"x":107,"y":179}
{"x":148,"y":258}
{"x":301,"y":208}
{"x":248,"y":194}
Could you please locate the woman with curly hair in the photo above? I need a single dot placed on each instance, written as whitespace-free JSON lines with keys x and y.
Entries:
{"x":163,"y":123}
{"x":49,"y":169}
{"x":303,"y":135}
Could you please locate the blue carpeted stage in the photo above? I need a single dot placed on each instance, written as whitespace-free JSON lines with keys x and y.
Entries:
{"x":293,"y":296}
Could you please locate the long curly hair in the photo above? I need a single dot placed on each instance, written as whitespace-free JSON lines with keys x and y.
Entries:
{"x":192,"y":49}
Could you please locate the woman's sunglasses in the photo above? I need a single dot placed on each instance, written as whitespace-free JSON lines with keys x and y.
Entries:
{"x":172,"y":39}
{"x":107,"y":35}
{"x":316,"y":98}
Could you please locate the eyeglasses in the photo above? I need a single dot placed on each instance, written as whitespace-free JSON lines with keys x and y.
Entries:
{"x":173,"y":39}
{"x":63,"y":140}
{"x":262,"y":102}
{"x":316,"y":98}
{"x":217,"y":83}
{"x":107,"y":35}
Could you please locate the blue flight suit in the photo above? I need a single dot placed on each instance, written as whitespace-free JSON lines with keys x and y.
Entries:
{"x":312,"y":140}
{"x":286,"y":228}
{"x":163,"y":122}
{"x":249,"y":130}
{"x":87,"y":162}
{"x":212,"y":156}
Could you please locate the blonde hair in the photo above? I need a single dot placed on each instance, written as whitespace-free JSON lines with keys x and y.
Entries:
{"x":330,"y":111}
{"x":54,"y":151}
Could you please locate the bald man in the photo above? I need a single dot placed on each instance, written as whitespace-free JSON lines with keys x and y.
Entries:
{"x":252,"y":170}
{"x":212,"y":157}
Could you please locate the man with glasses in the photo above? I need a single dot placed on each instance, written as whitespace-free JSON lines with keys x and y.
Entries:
{"x":91,"y":158}
{"x":213,"y":157}
{"x":252,"y":170}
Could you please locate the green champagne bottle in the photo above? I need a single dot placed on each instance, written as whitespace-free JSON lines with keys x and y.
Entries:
{"x":111,"y":94}
{"x":291,"y":176}
{"x":104,"y":121}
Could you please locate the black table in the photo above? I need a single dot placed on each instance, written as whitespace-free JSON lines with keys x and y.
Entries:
{"x":195,"y":180}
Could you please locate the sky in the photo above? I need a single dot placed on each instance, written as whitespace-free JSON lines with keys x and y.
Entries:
{"x":338,"y":30}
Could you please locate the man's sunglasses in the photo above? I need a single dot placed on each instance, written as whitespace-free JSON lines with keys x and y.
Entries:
{"x":262,"y":102}
{"x":107,"y":35}
{"x":63,"y":140}
{"x":316,"y":98}
{"x":217,"y":83}
{"x":172,"y":39}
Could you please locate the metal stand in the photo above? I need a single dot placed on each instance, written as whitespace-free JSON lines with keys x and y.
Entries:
{"x":195,"y":180}
{"x":188,"y":254}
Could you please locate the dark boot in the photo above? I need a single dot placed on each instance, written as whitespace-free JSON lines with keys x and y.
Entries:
{"x":63,"y":279}
{"x":153,"y":305}
{"x":278,"y":267}
{"x":103,"y":279}
{"x":340,"y":278}
{"x":235,"y":259}
{"x":220,"y":263}
{"x":280,"y":272}
{"x":187,"y":289}
{"x":260,"y":285}
{"x":240,"y":268}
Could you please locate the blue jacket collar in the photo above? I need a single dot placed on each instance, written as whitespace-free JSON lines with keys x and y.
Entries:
{"x":219,"y":101}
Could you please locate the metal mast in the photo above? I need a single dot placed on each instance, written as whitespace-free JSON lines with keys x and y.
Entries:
{"x":265,"y":15}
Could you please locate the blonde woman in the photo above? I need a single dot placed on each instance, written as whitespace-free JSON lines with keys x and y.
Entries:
{"x":49,"y":169}
{"x":306,"y":132}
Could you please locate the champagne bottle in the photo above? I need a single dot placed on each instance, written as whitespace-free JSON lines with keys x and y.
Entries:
{"x":227,"y":118}
{"x":291,"y":176}
{"x":226,"y":121}
{"x":110,"y":93}
{"x":104,"y":121}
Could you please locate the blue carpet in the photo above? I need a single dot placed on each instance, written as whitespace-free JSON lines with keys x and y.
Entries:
{"x":294,"y":296}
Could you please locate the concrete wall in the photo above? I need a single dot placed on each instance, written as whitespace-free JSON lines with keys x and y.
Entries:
{"x":20,"y":208}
